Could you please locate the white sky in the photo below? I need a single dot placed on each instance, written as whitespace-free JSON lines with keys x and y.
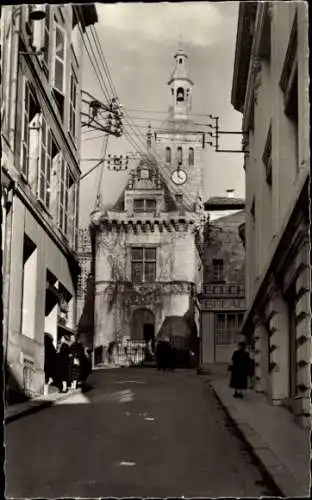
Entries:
{"x":139,"y":41}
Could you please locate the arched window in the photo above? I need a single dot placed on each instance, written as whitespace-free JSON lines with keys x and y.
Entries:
{"x":180,"y":60}
{"x":179,"y":151}
{"x":191,"y":156}
{"x":168,"y":155}
{"x":180,"y":94}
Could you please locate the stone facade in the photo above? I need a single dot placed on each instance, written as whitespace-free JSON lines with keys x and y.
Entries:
{"x":172,"y":292}
{"x":223,"y":295}
{"x":270,"y":88}
{"x":148,"y":246}
{"x":40,"y":161}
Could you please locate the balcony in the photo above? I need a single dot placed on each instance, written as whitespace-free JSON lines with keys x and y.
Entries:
{"x":223,"y":290}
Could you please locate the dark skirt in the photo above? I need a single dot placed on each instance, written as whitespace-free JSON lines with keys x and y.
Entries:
{"x":239,"y":379}
{"x":63,"y":364}
{"x":164,"y":356}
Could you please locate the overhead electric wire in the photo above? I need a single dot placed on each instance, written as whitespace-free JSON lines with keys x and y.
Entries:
{"x":86,"y":35}
{"x":137,"y":143}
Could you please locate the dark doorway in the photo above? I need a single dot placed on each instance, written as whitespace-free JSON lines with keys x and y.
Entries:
{"x":149,"y":333}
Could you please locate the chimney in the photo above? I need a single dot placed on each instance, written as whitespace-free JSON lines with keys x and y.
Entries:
{"x":230,"y":193}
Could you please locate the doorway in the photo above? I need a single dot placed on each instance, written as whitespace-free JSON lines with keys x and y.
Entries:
{"x":143,"y":331}
{"x":149,"y":337}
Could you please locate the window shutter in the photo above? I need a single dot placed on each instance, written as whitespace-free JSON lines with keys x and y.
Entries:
{"x":42,"y":160}
{"x":56,"y":161}
{"x":59,"y":58}
{"x":34,"y":152}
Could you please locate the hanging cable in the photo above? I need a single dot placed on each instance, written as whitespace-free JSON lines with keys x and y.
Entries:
{"x":98,"y":199}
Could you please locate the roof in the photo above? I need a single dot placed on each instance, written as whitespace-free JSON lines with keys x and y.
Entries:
{"x":244,"y":37}
{"x":235,"y":218}
{"x":224,"y":203}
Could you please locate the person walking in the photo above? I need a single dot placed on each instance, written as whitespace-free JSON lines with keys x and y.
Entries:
{"x":49,"y":362}
{"x":164,"y":353}
{"x":240,"y":370}
{"x":63,"y":366}
{"x":76,"y":361}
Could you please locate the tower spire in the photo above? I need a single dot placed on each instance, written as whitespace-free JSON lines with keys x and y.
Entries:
{"x":181,"y":85}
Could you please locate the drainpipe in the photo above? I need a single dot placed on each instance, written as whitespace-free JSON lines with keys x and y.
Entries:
{"x":15,"y":20}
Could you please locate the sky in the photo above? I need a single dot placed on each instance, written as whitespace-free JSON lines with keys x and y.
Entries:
{"x":139,"y":41}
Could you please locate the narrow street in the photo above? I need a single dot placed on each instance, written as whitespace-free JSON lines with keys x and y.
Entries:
{"x":138,"y":432}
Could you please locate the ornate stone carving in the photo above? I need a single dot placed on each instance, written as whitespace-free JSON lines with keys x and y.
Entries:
{"x":255,"y":65}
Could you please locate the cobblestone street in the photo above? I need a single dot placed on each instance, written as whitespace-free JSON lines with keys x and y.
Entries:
{"x":138,"y":432}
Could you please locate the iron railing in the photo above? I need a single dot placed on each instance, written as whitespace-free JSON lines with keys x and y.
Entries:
{"x":223,"y":290}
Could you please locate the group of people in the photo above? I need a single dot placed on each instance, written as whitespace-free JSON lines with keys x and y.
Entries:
{"x":242,"y":370}
{"x":67,"y":365}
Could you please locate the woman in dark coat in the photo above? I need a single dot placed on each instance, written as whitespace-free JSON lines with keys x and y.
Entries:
{"x":63,"y":364}
{"x":76,"y":361}
{"x":240,"y":370}
{"x":49,"y":359}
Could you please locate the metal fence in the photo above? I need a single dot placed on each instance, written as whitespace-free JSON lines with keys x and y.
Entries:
{"x":131,"y":353}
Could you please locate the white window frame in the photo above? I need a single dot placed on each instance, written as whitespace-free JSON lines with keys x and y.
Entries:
{"x":143,"y":261}
{"x":25,"y":140}
{"x":67,"y":202}
{"x":45,"y":165}
{"x":63,"y":196}
{"x":73,"y":106}
{"x":145,"y":208}
{"x":58,"y":26}
{"x":224,"y":336}
{"x":218,"y":270}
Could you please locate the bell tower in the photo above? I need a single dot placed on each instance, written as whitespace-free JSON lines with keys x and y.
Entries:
{"x":178,"y":141}
{"x":181,"y":87}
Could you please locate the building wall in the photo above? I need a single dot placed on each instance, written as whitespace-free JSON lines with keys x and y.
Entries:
{"x":193,"y":186}
{"x":176,"y":262}
{"x":277,"y":270}
{"x":32,"y":215}
{"x":48,"y":257}
{"x":222,"y":242}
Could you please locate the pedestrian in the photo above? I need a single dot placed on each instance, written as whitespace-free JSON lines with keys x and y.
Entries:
{"x":86,"y":366}
{"x":76,"y":361}
{"x":252,"y":370}
{"x":240,"y":370}
{"x":164,"y":354}
{"x":49,"y":362}
{"x":63,"y":367}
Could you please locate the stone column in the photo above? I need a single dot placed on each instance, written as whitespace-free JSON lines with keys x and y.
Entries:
{"x":279,"y":345}
{"x":303,"y":337}
{"x":261,"y":356}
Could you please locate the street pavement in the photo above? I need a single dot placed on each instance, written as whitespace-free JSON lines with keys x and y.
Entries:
{"x":138,"y":432}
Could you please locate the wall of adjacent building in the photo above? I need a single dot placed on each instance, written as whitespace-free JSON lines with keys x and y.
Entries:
{"x":278,"y":281}
{"x":47,"y":258}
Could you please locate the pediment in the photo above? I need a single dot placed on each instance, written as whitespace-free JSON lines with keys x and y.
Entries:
{"x":143,"y":177}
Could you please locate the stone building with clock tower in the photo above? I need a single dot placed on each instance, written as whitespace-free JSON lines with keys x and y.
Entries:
{"x":147,"y":248}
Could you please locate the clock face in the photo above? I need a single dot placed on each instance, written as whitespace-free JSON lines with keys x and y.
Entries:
{"x":179,"y":177}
